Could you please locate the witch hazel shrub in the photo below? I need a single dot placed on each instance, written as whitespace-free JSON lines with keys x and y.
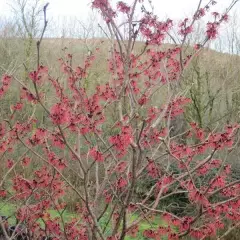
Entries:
{"x":100,"y":146}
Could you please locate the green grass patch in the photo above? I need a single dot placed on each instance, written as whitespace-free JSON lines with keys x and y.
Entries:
{"x":8,"y":209}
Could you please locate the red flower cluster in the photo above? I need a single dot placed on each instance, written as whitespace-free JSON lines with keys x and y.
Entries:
{"x":6,"y":80}
{"x":185,"y":29}
{"x":122,"y":7}
{"x":122,"y":141}
{"x":60,"y":114}
{"x":96,"y":155}
{"x":212,"y":30}
{"x":38,"y":76}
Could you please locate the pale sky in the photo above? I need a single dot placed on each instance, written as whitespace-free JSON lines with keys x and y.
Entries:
{"x":65,"y":16}
{"x":174,"y":9}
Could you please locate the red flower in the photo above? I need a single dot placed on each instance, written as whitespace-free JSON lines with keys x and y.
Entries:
{"x":37,"y":76}
{"x":57,"y":141}
{"x":197,"y":46}
{"x":133,"y":231}
{"x":3,"y":193}
{"x":225,"y":17}
{"x":215,"y":14}
{"x":60,"y":114}
{"x":9,"y":163}
{"x":96,"y":155}
{"x":18,"y":106}
{"x":149,"y":234}
{"x":212,"y":30}
{"x":143,"y":100}
{"x":152,"y":169}
{"x":200,"y":13}
{"x":122,"y":141}
{"x":26,"y":161}
{"x":2,"y":130}
{"x":120,"y":168}
{"x":122,"y":7}
{"x":6,"y":80}
{"x":121,"y":183}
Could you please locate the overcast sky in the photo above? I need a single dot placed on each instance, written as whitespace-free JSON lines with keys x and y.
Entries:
{"x":174,"y":9}
{"x":65,"y":16}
